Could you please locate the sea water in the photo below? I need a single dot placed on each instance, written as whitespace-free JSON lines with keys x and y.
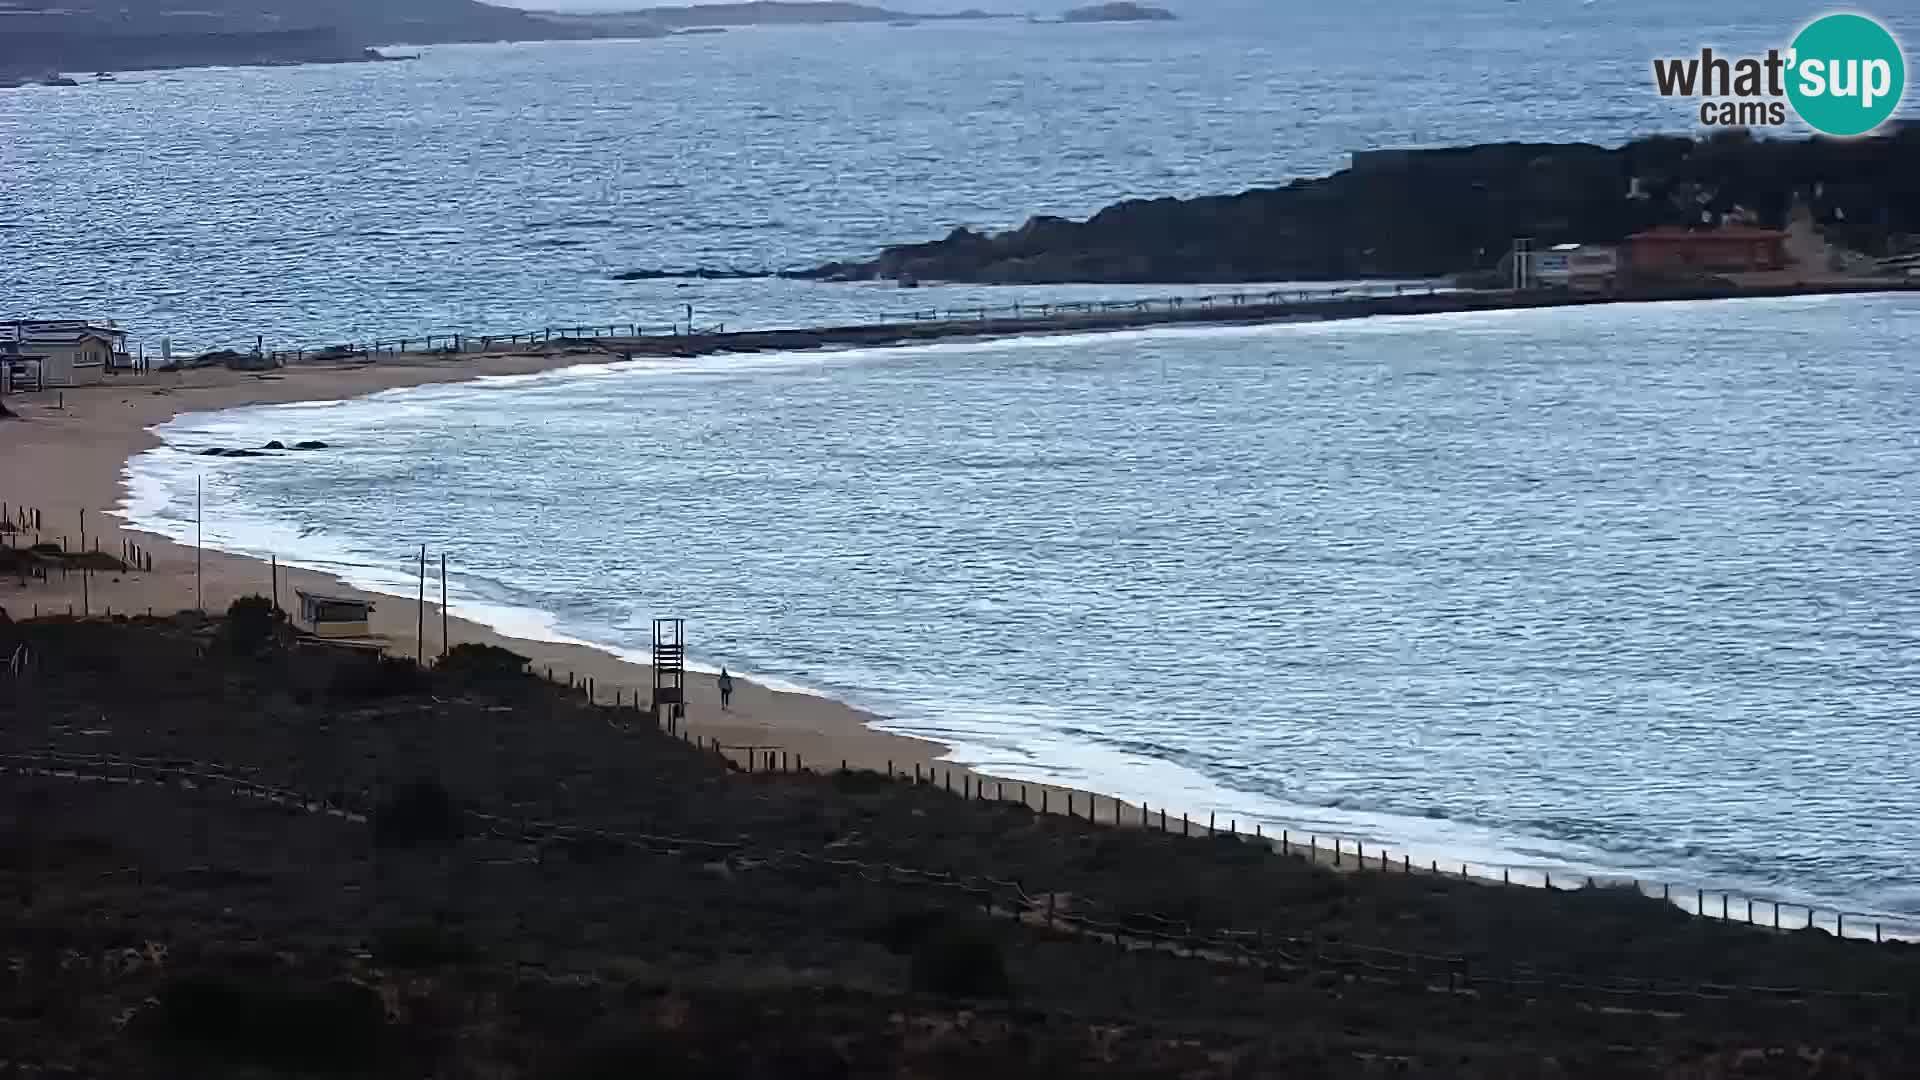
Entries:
{"x":1623,"y":590}
{"x":493,"y":189}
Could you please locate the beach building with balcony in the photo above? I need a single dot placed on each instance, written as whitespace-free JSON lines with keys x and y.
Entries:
{"x":1580,"y":267}
{"x":68,"y":352}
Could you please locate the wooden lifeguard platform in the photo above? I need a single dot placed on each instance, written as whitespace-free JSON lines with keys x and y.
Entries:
{"x":670,"y":672}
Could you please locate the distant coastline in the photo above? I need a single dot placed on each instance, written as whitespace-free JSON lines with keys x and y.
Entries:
{"x":44,"y":41}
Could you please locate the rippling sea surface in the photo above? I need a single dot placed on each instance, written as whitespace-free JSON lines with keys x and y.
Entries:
{"x":495,"y":188}
{"x":1625,"y":589}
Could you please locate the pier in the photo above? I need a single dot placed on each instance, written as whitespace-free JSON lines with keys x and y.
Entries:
{"x":920,"y":327}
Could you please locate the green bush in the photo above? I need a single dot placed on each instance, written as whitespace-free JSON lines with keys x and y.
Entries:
{"x":482,"y":663}
{"x":860,"y":781}
{"x":420,"y":814}
{"x":251,"y":624}
{"x":264,"y":1021}
{"x":374,"y":676}
{"x":961,"y":958}
{"x":423,"y":946}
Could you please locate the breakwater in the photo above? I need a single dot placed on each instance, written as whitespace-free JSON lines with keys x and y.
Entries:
{"x":688,"y":339}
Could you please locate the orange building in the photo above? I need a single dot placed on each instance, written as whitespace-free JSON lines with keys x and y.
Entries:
{"x":1728,"y":249}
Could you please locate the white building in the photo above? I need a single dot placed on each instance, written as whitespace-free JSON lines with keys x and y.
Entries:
{"x":67,"y":352}
{"x":1582,"y":267}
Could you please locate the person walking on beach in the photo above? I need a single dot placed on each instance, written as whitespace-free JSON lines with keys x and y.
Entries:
{"x":726,"y":690}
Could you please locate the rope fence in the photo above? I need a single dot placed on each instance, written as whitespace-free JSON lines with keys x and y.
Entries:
{"x":1007,"y":898}
{"x":1338,"y":852}
{"x":461,"y":343}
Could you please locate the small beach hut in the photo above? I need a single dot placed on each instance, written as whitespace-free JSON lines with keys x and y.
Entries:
{"x":335,"y":616}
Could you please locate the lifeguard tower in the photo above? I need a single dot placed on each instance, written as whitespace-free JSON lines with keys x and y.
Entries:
{"x":670,"y":671}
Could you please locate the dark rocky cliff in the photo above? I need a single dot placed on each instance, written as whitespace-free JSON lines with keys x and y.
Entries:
{"x":1427,"y":213}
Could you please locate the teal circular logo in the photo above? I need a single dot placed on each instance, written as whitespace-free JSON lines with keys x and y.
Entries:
{"x":1846,"y":74}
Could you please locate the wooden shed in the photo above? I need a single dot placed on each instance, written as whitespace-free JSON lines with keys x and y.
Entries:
{"x":335,"y":616}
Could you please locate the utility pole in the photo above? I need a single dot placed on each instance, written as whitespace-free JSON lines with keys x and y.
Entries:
{"x":199,"y":595}
{"x":421,"y":633}
{"x":446,"y":644}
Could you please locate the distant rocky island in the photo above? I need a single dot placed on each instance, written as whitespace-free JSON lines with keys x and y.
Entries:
{"x":1429,"y":213}
{"x":45,"y":36}
{"x":1118,"y":12}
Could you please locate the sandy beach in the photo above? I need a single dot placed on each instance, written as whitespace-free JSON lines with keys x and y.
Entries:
{"x":66,"y":453}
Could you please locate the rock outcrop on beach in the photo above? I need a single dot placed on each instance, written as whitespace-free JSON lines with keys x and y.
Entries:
{"x":1428,"y":213}
{"x":1118,"y":12}
{"x":702,"y":273}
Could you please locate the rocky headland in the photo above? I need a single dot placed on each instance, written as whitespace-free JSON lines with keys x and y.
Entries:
{"x":1429,"y":213}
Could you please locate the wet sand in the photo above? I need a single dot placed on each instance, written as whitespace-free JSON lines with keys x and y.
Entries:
{"x":66,"y":454}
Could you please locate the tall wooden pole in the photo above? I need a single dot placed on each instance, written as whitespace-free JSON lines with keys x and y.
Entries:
{"x":199,"y":596}
{"x":276,"y":582}
{"x":446,"y":643}
{"x":421,"y":634}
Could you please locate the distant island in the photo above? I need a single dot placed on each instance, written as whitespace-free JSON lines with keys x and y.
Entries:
{"x":1431,"y":213}
{"x":1118,"y":12}
{"x":46,"y":36}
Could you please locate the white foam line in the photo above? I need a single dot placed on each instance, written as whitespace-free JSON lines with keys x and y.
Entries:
{"x":1026,"y":752}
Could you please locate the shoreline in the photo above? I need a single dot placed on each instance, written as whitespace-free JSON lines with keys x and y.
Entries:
{"x":74,"y":459}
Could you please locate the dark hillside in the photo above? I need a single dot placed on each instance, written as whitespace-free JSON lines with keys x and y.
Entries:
{"x":229,"y":856}
{"x":1427,"y":213}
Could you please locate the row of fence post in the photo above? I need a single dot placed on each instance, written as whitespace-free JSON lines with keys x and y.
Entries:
{"x":1317,"y":850}
{"x":1020,"y":310}
{"x":763,"y":759}
{"x":464,"y":342}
